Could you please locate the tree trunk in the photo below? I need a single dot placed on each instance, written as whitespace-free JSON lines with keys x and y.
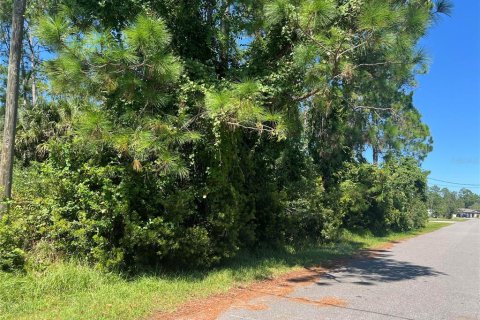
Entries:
{"x":225,"y":43}
{"x":33,"y":66}
{"x":11,"y":105}
{"x":375,"y":156}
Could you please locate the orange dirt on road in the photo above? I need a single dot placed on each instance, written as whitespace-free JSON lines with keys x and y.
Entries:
{"x":211,"y":307}
{"x":240,"y":297}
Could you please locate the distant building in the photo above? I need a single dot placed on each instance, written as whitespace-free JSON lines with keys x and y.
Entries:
{"x":467,"y":213}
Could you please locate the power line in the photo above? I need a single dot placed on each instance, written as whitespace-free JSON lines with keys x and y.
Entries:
{"x":450,"y":186}
{"x":457,"y":183}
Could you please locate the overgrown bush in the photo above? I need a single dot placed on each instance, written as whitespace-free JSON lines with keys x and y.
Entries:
{"x":310,"y":219}
{"x":94,"y":213}
{"x":12,"y":256}
{"x":389,"y":197}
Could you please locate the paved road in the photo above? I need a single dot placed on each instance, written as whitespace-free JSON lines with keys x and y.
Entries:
{"x":433,"y":276}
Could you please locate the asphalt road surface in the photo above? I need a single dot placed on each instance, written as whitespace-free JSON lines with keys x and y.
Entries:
{"x":432,"y":276}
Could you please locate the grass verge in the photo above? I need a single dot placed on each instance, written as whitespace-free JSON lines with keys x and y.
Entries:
{"x":72,"y":291}
{"x":455,"y":219}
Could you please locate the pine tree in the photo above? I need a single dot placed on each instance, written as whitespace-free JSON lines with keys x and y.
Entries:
{"x":11,"y":107}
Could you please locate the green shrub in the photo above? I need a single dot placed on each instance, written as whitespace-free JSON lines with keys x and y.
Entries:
{"x":12,"y":257}
{"x":310,"y":219}
{"x":389,"y":197}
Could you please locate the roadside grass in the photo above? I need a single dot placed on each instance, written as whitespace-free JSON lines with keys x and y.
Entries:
{"x":74,"y":291}
{"x":370,"y":241}
{"x":456,"y":219}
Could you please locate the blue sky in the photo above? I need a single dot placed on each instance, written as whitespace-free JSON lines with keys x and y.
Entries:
{"x":449,"y":96}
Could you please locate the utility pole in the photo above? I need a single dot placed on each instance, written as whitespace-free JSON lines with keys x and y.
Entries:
{"x":11,"y":106}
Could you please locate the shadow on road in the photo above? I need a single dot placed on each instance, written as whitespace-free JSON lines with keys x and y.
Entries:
{"x":368,"y":271}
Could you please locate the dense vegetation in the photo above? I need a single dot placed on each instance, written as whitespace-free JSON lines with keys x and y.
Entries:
{"x":176,"y":133}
